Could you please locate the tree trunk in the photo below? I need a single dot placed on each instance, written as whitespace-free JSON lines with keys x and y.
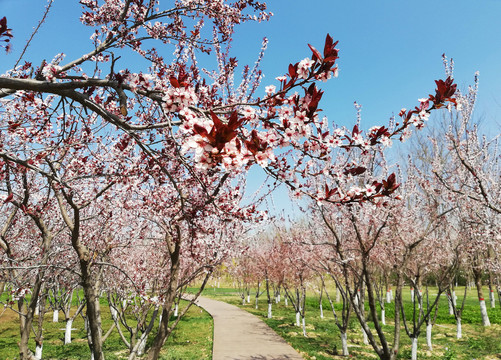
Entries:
{"x":429,"y":327}
{"x":344,"y":344}
{"x":142,"y":345}
{"x":38,"y":351}
{"x":55,"y":316}
{"x":67,"y":332}
{"x":451,"y":307}
{"x":483,"y":308}
{"x":483,"y":311}
{"x":24,"y":330}
{"x":26,"y":319}
{"x":269,"y":310}
{"x":163,"y":329}
{"x":365,"y":338}
{"x":383,"y":317}
{"x":492,"y":298}
{"x":459,"y":333}
{"x":414,"y":348}
{"x":93,"y":313}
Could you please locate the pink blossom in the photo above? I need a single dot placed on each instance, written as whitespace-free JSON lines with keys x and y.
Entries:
{"x":303,"y":68}
{"x":354,"y":191}
{"x":358,"y":139}
{"x":370,"y":190}
{"x":270,"y":89}
{"x":386,"y":141}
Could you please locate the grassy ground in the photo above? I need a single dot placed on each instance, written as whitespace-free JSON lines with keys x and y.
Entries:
{"x":323,"y":340}
{"x":193,"y":337}
{"x":191,"y":340}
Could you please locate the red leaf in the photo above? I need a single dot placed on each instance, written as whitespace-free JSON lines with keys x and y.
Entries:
{"x":391,"y":180}
{"x":331,"y":58}
{"x":217,"y":122}
{"x":316,"y":53}
{"x":200,"y":130}
{"x":234,"y":123}
{"x":328,"y":45}
{"x":355,"y":170}
{"x":329,"y":193}
{"x":174,"y":82}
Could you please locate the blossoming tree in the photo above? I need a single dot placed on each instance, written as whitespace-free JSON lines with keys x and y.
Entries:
{"x":175,"y":133}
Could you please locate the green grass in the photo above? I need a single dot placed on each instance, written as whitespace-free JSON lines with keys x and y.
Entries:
{"x":191,"y":340}
{"x":323,"y":340}
{"x":193,"y":337}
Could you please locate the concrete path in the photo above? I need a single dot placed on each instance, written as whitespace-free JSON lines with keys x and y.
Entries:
{"x":239,"y":335}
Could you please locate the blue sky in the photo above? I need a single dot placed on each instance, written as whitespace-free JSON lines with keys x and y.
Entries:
{"x":390,"y":51}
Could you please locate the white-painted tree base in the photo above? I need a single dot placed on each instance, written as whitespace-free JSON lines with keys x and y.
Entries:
{"x":67,"y":332}
{"x":459,"y":332}
{"x":142,"y":345}
{"x":383,"y":317}
{"x":451,"y":309}
{"x":365,"y":337}
{"x":55,"y":316}
{"x":38,"y":352}
{"x":428,"y":336}
{"x":485,"y":316}
{"x":321,"y":312}
{"x":269,"y":310}
{"x":344,"y":344}
{"x":414,"y":349}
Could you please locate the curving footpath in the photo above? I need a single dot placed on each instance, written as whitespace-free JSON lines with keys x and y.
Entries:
{"x":239,"y":335}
